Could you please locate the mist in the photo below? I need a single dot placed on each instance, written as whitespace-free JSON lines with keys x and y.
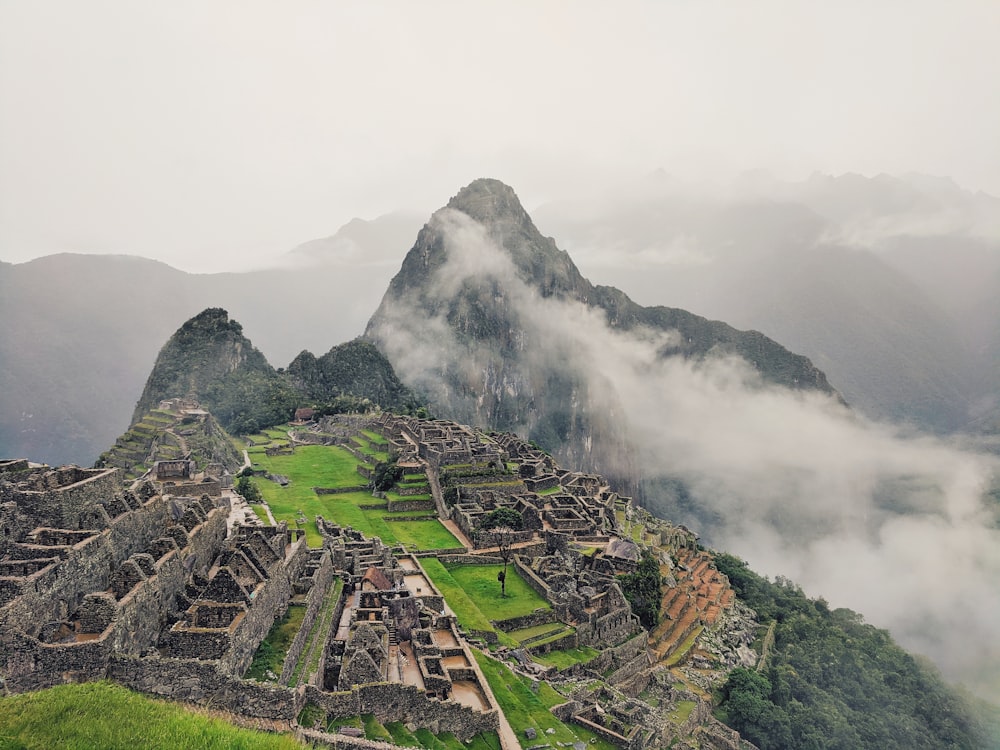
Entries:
{"x":890,"y":522}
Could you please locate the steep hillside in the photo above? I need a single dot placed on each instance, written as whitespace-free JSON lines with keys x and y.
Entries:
{"x":498,"y":327}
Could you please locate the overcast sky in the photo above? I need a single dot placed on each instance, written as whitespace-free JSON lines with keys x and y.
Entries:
{"x":218,"y":134}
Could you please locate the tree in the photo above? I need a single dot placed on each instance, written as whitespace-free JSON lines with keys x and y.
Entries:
{"x":386,"y":475}
{"x":642,"y":589}
{"x":245,"y":486}
{"x":502,"y":525}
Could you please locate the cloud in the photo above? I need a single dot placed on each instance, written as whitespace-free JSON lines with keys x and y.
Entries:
{"x":894,"y":524}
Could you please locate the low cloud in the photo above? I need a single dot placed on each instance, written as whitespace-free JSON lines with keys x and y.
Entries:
{"x":892,"y":523}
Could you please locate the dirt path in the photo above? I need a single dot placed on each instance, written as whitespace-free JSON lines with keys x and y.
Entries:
{"x":766,"y":646}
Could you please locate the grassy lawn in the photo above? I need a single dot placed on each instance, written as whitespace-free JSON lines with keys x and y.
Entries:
{"x":525,"y":633}
{"x":374,"y":438}
{"x":332,"y":466}
{"x":107,"y":716}
{"x":271,"y":652}
{"x":567,"y":657}
{"x":469,"y":614}
{"x":480,"y":583}
{"x":397,"y":733}
{"x":310,"y":466}
{"x":682,"y":711}
{"x":421,"y":535}
{"x":524,"y":708}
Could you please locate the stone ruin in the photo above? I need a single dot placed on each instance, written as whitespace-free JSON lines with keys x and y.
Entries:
{"x":96,"y":579}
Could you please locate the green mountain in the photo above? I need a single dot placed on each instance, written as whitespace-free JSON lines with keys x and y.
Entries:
{"x":354,"y":368}
{"x":209,"y":359}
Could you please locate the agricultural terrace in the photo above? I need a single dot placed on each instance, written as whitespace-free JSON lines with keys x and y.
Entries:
{"x":329,"y":466}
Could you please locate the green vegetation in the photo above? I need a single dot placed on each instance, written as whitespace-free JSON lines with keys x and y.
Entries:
{"x":468,"y":612}
{"x":246,"y":487}
{"x":308,"y":661}
{"x":835,"y":682}
{"x":355,"y":369}
{"x":333,"y":466}
{"x":479,"y":582}
{"x":642,"y":589}
{"x":271,"y":652}
{"x":398,"y":734}
{"x":564,"y":658}
{"x":106,"y":716}
{"x":524,"y":634}
{"x":386,"y":475}
{"x":525,"y":708}
{"x":309,"y":466}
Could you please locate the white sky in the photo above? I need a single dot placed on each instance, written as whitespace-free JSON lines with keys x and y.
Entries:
{"x":216,"y":134}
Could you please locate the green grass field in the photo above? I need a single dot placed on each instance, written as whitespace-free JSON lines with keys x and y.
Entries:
{"x":332,"y":466}
{"x":110,"y":717}
{"x":525,"y":633}
{"x":480,"y":583}
{"x":567,"y":657}
{"x":525,"y":708}
{"x":271,"y":652}
{"x":473,"y":593}
{"x":310,"y":466}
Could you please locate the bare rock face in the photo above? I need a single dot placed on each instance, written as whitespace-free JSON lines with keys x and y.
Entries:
{"x":496,"y":327}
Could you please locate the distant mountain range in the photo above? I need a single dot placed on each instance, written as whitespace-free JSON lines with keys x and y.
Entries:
{"x":890,"y":286}
{"x":81,"y":332}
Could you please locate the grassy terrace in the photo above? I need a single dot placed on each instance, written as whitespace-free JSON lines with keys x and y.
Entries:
{"x":308,"y":661}
{"x":524,"y":708}
{"x":374,"y":438}
{"x":373,"y":450}
{"x":481,"y":585}
{"x":567,"y":657}
{"x":107,"y":716}
{"x":332,"y":466}
{"x":271,"y":652}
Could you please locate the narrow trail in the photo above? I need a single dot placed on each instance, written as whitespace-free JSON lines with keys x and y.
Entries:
{"x":766,"y":646}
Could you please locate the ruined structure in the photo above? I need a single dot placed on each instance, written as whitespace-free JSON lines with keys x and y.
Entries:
{"x":146,"y":586}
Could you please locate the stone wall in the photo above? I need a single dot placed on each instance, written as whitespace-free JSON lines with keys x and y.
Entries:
{"x":569,"y":640}
{"x":470,"y":560}
{"x":202,"y":682}
{"x":210,"y":487}
{"x":396,"y":702}
{"x":315,"y":738}
{"x":538,"y":617}
{"x":340,"y":490}
{"x":270,"y":603}
{"x":64,"y":498}
{"x":410,"y":505}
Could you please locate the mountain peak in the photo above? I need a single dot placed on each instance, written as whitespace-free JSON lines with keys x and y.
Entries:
{"x":487,"y":199}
